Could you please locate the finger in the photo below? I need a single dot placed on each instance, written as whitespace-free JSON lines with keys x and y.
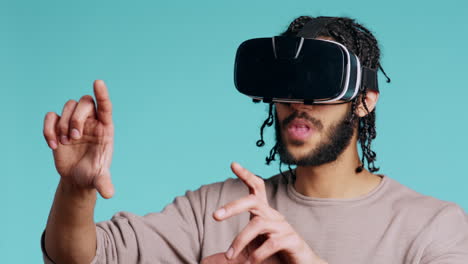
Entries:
{"x":221,"y":258}
{"x":256,"y":184}
{"x":83,"y":110}
{"x":270,"y":247}
{"x":64,"y":121}
{"x":50,"y":135}
{"x":249,"y":203}
{"x":104,"y":186}
{"x":257,"y":226}
{"x":289,"y":243}
{"x":104,"y":105}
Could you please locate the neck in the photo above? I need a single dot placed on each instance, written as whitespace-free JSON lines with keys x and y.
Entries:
{"x":336,"y":179}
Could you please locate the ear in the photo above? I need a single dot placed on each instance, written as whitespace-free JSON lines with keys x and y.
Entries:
{"x":371,"y":100}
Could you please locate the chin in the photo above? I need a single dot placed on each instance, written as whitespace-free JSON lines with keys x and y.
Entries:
{"x":299,"y":152}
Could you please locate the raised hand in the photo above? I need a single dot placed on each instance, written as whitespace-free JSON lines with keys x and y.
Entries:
{"x":82,"y":140}
{"x":267,"y":238}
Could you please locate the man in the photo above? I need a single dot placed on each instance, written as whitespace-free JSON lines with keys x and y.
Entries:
{"x":328,"y":210}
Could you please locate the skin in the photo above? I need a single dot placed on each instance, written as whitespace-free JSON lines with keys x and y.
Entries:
{"x":279,"y":243}
{"x":337,"y":179}
{"x":267,"y":238}
{"x":82,"y":143}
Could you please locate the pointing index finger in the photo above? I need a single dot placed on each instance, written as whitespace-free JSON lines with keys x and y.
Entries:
{"x":256,"y":184}
{"x":104,"y":105}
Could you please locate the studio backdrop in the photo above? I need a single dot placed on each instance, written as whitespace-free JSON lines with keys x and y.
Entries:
{"x":179,"y":121}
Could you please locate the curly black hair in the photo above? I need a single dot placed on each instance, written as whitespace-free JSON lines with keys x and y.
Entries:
{"x":361,"y":42}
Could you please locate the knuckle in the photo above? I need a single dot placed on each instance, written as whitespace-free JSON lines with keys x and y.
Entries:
{"x":273,"y":244}
{"x":75,"y":122}
{"x":258,"y":183}
{"x":107,"y":110}
{"x":49,"y":115}
{"x":63,"y":127}
{"x":256,"y":257}
{"x":47,"y":131}
{"x":261,"y":183}
{"x":86,"y":97}
{"x":238,"y":242}
{"x":69,"y":106}
{"x":257,"y":220}
{"x":70,"y":103}
{"x":47,"y":134}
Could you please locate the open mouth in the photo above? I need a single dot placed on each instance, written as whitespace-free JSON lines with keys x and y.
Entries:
{"x":299,"y":129}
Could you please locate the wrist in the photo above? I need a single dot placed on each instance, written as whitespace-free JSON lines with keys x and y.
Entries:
{"x":76,"y":194}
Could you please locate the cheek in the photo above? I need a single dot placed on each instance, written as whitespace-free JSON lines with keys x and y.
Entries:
{"x":331,"y":114}
{"x":282,"y":111}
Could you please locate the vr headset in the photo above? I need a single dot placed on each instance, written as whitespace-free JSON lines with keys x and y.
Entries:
{"x":300,"y":69}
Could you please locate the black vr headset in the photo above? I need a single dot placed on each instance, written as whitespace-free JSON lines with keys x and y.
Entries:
{"x":300,"y":70}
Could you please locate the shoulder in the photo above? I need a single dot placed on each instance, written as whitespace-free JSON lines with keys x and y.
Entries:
{"x":425,"y":209}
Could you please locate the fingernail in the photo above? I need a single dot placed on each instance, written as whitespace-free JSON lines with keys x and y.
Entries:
{"x":229,"y":253}
{"x":75,"y":134}
{"x":53,"y":144}
{"x":220,"y":212}
{"x":64,"y":139}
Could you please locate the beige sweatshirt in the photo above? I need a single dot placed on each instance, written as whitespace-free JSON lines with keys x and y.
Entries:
{"x":391,"y":224}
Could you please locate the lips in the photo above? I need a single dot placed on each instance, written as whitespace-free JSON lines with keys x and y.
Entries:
{"x":299,"y":129}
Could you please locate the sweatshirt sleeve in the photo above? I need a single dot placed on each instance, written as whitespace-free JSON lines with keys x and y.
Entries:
{"x":449,"y":237}
{"x":170,"y":236}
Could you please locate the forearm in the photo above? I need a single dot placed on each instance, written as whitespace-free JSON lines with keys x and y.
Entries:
{"x":71,"y":232}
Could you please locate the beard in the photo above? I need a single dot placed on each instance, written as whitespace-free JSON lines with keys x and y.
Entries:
{"x":337,"y":138}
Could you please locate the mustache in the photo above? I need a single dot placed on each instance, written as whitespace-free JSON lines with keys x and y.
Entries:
{"x":315,"y":122}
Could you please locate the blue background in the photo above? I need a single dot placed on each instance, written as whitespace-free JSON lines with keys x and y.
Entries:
{"x":179,"y":120}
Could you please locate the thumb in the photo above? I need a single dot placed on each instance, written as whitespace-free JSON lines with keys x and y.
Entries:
{"x":104,"y":185}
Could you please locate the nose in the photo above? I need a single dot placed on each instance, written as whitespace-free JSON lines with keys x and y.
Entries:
{"x":299,"y":107}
